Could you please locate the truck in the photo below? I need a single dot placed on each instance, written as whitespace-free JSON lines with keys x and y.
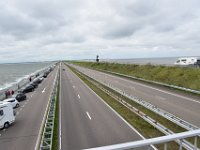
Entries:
{"x":7,"y":114}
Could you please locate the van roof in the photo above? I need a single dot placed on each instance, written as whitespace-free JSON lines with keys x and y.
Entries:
{"x":12,"y":98}
{"x":2,"y":103}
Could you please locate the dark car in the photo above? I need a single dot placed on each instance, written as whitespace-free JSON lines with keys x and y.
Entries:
{"x":45,"y":74}
{"x":34,"y":84}
{"x":20,"y":97}
{"x":26,"y":89}
{"x":37,"y":81}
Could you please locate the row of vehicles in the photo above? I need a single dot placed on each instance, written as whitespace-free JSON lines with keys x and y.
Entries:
{"x":7,"y":106}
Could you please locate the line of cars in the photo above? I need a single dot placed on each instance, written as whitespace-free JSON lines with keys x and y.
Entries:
{"x":7,"y":106}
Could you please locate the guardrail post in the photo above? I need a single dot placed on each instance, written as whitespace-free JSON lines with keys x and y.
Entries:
{"x":181,"y":145}
{"x":165,"y":146}
{"x":195,"y":142}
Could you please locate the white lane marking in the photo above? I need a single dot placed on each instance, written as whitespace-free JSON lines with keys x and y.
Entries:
{"x":79,"y":96}
{"x":73,"y":86}
{"x":88,"y":115}
{"x":22,"y":106}
{"x":17,"y":113}
{"x":161,"y":98}
{"x":43,"y":90}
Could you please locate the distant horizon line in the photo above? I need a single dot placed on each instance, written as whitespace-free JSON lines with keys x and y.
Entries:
{"x":94,"y":59}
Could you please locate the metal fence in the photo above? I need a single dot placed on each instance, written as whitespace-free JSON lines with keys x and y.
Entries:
{"x":159,"y":140}
{"x":47,"y":134}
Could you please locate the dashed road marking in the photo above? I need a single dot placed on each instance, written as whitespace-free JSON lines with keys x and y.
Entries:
{"x":79,"y":96}
{"x":73,"y":86}
{"x":43,"y":90}
{"x":88,"y":115}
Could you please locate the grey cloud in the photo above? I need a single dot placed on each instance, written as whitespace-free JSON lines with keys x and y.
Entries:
{"x":42,"y":30}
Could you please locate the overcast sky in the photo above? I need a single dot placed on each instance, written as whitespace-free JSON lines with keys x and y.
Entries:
{"x":41,"y":30}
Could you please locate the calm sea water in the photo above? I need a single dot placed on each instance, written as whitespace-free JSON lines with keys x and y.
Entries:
{"x":11,"y":73}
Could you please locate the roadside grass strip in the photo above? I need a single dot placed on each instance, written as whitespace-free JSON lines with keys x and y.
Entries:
{"x":56,"y":121}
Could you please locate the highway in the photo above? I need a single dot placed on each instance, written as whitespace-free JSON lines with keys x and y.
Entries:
{"x":23,"y":134}
{"x":86,"y":121}
{"x":181,"y":105}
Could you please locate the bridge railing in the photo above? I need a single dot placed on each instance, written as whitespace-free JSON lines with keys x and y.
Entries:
{"x":159,"y":140}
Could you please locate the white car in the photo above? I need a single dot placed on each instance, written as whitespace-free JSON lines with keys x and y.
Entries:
{"x":13,"y":102}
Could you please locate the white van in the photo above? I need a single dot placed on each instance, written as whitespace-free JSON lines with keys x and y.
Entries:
{"x":7,"y":114}
{"x":188,"y":61}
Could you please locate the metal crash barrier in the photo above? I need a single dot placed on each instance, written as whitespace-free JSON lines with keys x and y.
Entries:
{"x":159,"y":140}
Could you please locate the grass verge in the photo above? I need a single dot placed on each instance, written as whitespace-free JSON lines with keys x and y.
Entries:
{"x":56,"y":121}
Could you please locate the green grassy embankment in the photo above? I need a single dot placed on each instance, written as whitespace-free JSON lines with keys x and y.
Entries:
{"x":179,"y":76}
{"x":56,"y":121}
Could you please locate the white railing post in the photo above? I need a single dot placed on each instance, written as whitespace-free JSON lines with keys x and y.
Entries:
{"x":195,"y":142}
{"x":181,"y":145}
{"x":165,"y":146}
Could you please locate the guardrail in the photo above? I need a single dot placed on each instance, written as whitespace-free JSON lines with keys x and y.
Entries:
{"x":159,"y":140}
{"x":154,"y":82}
{"x":47,"y":135}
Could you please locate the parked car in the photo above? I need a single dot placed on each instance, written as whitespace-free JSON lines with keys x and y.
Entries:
{"x":7,"y":114}
{"x":13,"y":102}
{"x":37,"y":74}
{"x":34,"y":84}
{"x":37,"y":80}
{"x":26,"y":89}
{"x":45,"y":74}
{"x":20,"y":97}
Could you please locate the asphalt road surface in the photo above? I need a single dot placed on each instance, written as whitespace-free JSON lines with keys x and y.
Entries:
{"x":184,"y":106}
{"x":23,"y":134}
{"x":86,"y":121}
